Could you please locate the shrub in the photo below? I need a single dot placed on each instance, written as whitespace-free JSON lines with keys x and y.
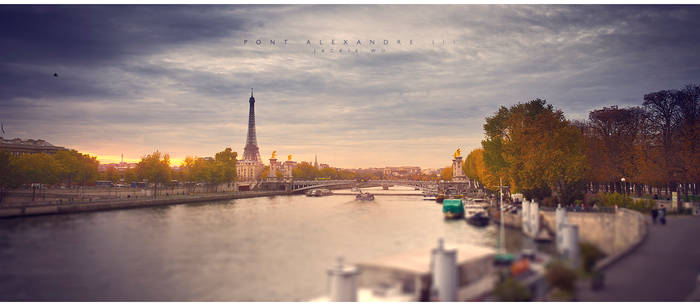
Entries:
{"x":560,"y":276}
{"x":590,"y":254}
{"x":624,"y":201}
{"x":510,"y":290}
{"x":591,"y":199}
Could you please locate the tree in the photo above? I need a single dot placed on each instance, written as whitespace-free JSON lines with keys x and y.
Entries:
{"x":611,"y":137}
{"x":264,"y":173}
{"x":305,"y":170}
{"x":76,"y":168}
{"x":36,"y":168}
{"x":111,"y":174}
{"x":446,"y":174}
{"x":688,"y":100}
{"x":226,"y":160}
{"x":475,"y":169}
{"x":9,"y":178}
{"x":533,"y":147}
{"x":156,"y":168}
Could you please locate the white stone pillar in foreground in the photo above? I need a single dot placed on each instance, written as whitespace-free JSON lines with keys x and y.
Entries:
{"x":525,"y":217}
{"x":445,"y":278}
{"x":534,"y":218}
{"x":342,"y":282}
{"x":570,"y":247}
{"x":560,"y":220}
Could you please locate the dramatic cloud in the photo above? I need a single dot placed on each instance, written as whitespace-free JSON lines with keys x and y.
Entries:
{"x":133,"y":79}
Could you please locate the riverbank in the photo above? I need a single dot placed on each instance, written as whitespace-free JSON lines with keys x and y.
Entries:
{"x":113,"y":204}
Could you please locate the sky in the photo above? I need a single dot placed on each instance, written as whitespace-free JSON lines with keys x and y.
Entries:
{"x":135,"y":79}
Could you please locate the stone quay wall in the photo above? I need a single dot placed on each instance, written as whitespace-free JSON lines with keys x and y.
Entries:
{"x":614,"y":233}
{"x":51,"y":209}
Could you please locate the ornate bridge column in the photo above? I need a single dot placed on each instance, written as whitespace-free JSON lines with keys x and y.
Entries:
{"x":273,"y":168}
{"x":457,"y":172}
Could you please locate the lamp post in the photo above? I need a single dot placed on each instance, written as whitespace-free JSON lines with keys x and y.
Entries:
{"x":502,"y":233}
{"x":622,"y":185}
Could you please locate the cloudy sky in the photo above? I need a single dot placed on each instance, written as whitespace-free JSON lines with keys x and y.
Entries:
{"x":134,"y":79}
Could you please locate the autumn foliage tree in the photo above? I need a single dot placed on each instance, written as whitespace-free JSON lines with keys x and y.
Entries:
{"x":76,"y":168}
{"x":475,"y":169}
{"x":611,"y":135}
{"x":156,"y":168}
{"x":220,"y":169}
{"x":535,"y":149}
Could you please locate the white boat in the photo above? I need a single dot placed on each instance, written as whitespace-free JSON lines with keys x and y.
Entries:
{"x":476,"y":212}
{"x":318,"y":192}
{"x":366,"y":196}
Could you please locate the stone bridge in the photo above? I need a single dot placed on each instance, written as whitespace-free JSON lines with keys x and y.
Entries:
{"x":303,"y":185}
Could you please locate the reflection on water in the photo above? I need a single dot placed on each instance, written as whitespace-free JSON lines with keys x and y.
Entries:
{"x":272,"y":248}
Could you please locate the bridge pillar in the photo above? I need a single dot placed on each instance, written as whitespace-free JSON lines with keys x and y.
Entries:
{"x":457,"y":172}
{"x":273,"y":168}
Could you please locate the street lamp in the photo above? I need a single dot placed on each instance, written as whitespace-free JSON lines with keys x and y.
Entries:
{"x":622,"y":186}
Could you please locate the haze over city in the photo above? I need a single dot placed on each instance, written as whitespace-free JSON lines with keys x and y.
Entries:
{"x":110,"y":80}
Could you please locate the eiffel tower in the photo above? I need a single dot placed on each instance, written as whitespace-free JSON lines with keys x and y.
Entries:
{"x":251,"y":151}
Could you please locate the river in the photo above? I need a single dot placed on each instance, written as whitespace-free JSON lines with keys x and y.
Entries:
{"x":257,"y":249}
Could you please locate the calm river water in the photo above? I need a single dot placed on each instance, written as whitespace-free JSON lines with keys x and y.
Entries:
{"x":260,"y":249}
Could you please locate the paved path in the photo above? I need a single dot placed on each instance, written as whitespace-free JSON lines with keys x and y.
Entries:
{"x":662,"y":268}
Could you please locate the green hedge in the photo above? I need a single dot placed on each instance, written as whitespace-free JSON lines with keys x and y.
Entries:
{"x":625,"y":201}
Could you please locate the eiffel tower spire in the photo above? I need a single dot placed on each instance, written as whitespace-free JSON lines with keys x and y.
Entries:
{"x":251,"y":151}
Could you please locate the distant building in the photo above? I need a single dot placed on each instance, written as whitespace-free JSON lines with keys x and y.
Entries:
{"x":121,"y":167}
{"x":324,"y":166}
{"x":400,"y":172}
{"x":17,"y":147}
{"x":430,"y":171}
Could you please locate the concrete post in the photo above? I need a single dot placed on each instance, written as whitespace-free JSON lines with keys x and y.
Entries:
{"x":674,"y":201}
{"x":560,"y":221}
{"x":342,"y":282}
{"x":525,"y":218}
{"x":570,"y":240}
{"x":534,"y":218}
{"x":445,"y":279}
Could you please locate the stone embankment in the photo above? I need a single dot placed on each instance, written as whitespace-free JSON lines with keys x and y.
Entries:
{"x":616,"y":233}
{"x":66,"y":208}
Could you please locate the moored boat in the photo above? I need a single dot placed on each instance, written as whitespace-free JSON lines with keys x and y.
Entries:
{"x":318,"y":193}
{"x":430,"y":196}
{"x":452,"y":208}
{"x":475,"y":212}
{"x":439,"y":198}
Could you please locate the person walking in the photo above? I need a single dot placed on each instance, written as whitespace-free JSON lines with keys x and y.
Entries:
{"x":654,"y":214}
{"x":662,"y":215}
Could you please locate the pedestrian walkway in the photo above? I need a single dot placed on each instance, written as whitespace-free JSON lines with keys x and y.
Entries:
{"x":663,"y":268}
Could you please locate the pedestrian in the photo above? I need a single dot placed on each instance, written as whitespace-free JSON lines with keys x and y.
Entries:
{"x":662,"y":215}
{"x":654,"y":214}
